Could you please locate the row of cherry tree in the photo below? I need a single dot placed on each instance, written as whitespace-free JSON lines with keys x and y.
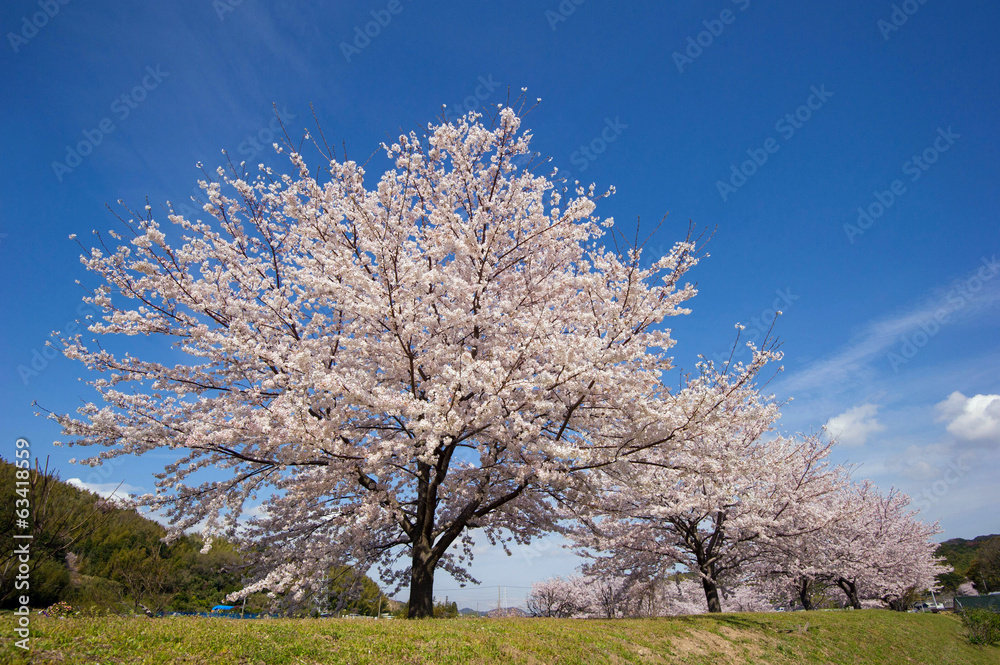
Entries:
{"x":611,"y":597}
{"x":866,"y":544}
{"x":736,"y":504}
{"x":368,"y":375}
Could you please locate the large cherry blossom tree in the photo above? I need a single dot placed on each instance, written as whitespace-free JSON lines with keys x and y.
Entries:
{"x":377,"y":371}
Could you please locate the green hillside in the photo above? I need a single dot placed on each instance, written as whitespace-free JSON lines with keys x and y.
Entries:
{"x":93,"y":553}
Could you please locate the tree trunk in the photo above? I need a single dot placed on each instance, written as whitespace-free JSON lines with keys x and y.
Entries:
{"x":421,"y":602}
{"x":711,"y":595}
{"x":804,"y":596}
{"x":896,"y":604}
{"x":850,"y":589}
{"x":422,"y":560}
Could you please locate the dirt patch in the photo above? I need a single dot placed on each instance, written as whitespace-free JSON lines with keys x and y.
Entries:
{"x":728,"y":645}
{"x":704,"y":643}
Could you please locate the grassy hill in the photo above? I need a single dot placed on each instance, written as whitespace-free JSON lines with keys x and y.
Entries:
{"x":871,"y":636}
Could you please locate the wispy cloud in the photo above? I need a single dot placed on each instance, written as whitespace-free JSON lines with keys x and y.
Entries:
{"x":904,"y":333}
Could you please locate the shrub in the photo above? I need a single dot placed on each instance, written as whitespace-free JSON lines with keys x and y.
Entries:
{"x":60,"y":609}
{"x":983,"y":626}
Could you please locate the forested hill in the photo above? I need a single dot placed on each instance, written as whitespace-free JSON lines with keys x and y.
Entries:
{"x":977,"y":560}
{"x":89,"y":551}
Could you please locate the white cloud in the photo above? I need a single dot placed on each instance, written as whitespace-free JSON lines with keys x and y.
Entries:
{"x":852,"y":427}
{"x":120,"y":491}
{"x":974,"y":419}
{"x":260,"y":512}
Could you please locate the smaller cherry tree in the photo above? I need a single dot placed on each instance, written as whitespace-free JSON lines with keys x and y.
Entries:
{"x":747,"y":597}
{"x":559,"y":597}
{"x":889,"y":553}
{"x":873,"y":549}
{"x":681,"y":595}
{"x":717,"y":501}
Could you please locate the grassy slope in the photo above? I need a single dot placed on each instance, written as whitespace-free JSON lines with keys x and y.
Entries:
{"x":871,"y":636}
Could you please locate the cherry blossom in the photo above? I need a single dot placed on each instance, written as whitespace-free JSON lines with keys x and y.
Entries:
{"x":377,"y":371}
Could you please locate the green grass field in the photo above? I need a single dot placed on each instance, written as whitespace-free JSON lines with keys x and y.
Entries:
{"x":801,"y":637}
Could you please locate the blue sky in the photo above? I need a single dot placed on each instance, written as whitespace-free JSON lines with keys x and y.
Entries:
{"x":890,"y":313}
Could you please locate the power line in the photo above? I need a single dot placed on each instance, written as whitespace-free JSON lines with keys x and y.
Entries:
{"x":483,"y":586}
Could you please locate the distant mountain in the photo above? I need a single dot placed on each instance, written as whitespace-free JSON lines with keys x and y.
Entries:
{"x":506,"y":613}
{"x":468,"y":611}
{"x":92,"y":551}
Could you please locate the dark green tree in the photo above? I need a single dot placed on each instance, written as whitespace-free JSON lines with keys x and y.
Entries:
{"x":446,"y":610}
{"x":984,"y":571}
{"x":59,"y":519}
{"x":354,"y":593}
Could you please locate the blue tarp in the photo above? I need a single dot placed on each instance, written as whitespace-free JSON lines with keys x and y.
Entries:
{"x":223,"y":607}
{"x":220,"y":615}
